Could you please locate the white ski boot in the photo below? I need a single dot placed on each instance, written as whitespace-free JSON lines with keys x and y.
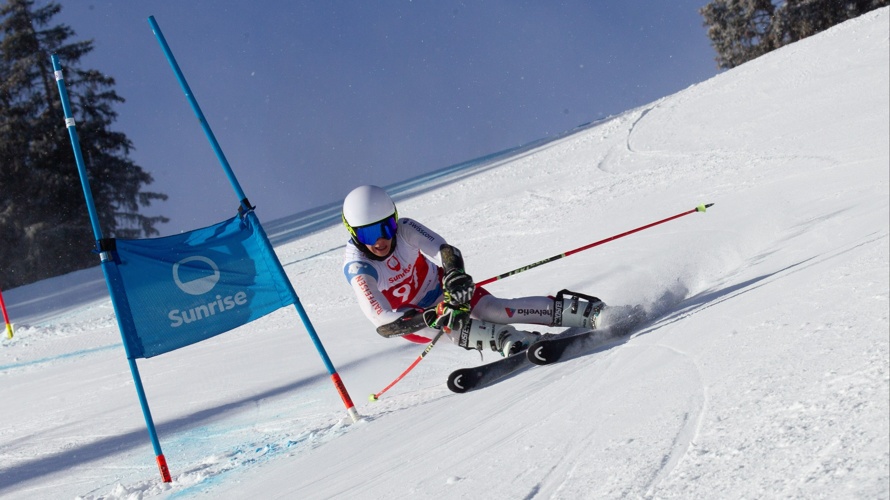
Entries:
{"x":505,"y":339}
{"x":513,"y":340}
{"x":569,"y":310}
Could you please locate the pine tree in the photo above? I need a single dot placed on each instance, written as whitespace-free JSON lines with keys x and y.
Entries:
{"x":798,"y":19}
{"x":43,"y":218}
{"x":741,"y":30}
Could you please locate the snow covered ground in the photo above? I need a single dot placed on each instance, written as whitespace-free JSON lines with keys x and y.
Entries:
{"x":770,"y":379}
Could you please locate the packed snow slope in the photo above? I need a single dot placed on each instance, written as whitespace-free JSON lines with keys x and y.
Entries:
{"x":763,"y":375}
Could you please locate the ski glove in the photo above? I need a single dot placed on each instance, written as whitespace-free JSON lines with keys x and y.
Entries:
{"x":446,"y":317}
{"x":459,"y":287}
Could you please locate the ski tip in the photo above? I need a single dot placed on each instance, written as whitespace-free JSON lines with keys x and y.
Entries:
{"x":537,"y":354}
{"x":456,"y":382}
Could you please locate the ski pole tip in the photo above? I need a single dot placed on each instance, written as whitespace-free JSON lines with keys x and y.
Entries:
{"x":703,"y":207}
{"x":373,"y":398}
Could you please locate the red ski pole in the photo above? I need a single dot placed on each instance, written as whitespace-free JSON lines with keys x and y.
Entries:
{"x":429,"y":347}
{"x":700,"y":208}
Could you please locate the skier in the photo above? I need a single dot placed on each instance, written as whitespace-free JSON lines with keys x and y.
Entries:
{"x":410,"y":282}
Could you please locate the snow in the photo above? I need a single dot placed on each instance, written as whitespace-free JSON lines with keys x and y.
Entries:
{"x":769,"y":379}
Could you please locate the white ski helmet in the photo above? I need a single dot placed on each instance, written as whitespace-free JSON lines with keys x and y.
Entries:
{"x":368,"y":214}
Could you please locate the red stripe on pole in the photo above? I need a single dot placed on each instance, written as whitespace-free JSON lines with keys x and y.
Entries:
{"x":5,"y":316}
{"x":162,"y":466}
{"x":341,"y":388}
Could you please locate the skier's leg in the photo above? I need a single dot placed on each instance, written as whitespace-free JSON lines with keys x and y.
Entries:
{"x":528,"y":310}
{"x":483,"y":335}
{"x":568,"y":309}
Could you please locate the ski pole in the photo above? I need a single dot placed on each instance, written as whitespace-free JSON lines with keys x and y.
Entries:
{"x":429,"y":347}
{"x":700,"y":208}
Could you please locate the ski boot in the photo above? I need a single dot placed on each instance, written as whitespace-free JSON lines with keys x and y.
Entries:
{"x":477,"y":334}
{"x":570,"y":311}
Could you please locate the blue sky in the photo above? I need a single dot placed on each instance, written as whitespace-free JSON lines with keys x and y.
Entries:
{"x":310,"y":99}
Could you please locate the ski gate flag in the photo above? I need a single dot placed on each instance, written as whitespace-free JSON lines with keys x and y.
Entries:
{"x":195,"y":285}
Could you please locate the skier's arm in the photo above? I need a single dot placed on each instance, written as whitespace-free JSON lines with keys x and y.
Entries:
{"x":372,"y":302}
{"x":363,"y":280}
{"x":457,"y":284}
{"x":410,"y":322}
{"x":422,"y":237}
{"x":439,"y":317}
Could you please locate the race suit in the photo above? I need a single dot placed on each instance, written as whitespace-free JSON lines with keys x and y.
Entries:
{"x":410,"y":278}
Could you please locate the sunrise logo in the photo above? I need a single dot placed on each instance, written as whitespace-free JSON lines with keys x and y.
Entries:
{"x":201,"y":285}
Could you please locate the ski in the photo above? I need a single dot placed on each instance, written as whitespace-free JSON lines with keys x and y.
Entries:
{"x":466,"y":379}
{"x":549,"y":349}
{"x":476,"y":377}
{"x":556,"y":348}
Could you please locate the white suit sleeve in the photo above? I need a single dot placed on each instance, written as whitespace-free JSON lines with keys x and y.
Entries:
{"x":423,"y":238}
{"x":363,"y":280}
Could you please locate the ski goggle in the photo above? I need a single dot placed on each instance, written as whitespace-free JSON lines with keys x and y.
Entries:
{"x":370,"y":233}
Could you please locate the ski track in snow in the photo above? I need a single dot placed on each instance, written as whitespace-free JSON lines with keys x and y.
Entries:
{"x":686,"y":436}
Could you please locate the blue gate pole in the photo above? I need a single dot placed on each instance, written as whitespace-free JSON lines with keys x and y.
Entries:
{"x":107,"y":263}
{"x":245,"y":205}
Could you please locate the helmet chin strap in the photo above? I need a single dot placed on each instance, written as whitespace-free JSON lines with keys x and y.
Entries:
{"x":370,"y":255}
